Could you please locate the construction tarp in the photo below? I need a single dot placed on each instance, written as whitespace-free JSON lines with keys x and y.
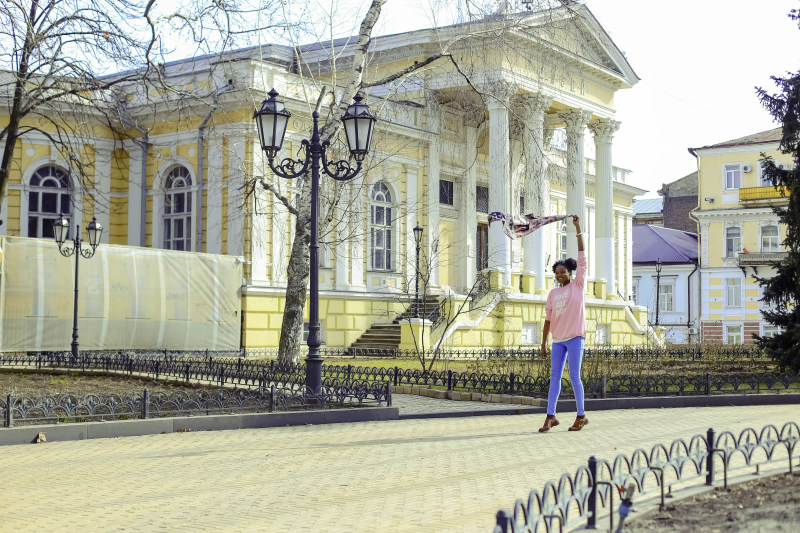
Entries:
{"x":128,"y":298}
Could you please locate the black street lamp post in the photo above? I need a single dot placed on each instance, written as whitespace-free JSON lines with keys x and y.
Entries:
{"x":658,"y":288}
{"x":60,"y":231}
{"x":418,"y":240}
{"x":271,"y":121}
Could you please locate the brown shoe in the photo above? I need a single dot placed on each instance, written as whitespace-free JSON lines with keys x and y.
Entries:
{"x":549,"y":423}
{"x":579,"y":423}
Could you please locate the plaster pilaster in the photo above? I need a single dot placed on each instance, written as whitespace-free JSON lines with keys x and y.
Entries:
{"x":213,"y":233}
{"x":235,"y":196}
{"x":102,"y":184}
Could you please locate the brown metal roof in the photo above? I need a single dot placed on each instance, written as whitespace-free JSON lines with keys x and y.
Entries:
{"x":773,"y":135}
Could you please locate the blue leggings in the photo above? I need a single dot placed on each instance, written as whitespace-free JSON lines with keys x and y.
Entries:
{"x":573,"y":349}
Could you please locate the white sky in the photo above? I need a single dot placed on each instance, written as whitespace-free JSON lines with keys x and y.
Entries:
{"x":699,"y":61}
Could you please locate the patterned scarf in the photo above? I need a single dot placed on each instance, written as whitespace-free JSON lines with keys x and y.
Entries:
{"x":516,"y":226}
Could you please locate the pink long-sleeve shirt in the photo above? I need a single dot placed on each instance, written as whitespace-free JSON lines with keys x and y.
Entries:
{"x":565,"y":308}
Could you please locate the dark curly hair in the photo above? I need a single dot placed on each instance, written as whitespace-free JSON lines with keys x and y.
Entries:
{"x":570,"y":264}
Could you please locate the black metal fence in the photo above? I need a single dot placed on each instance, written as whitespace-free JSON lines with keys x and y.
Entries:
{"x":111,"y":406}
{"x":250,"y":373}
{"x":579,"y":499}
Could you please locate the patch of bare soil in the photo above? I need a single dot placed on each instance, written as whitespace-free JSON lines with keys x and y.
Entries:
{"x":37,"y":384}
{"x":766,"y":505}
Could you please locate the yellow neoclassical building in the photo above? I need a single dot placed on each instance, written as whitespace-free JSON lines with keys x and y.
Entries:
{"x":517,"y":116}
{"x":740,"y":236}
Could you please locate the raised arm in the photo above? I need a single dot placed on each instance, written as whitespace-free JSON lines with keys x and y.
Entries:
{"x":577,"y":221}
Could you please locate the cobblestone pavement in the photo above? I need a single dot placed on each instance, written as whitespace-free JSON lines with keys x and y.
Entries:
{"x":443,"y":474}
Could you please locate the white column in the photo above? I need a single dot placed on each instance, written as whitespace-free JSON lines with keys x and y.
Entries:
{"x":4,"y":206}
{"x":213,"y":233}
{"x":135,"y":184}
{"x":620,"y":251}
{"x":236,"y":196}
{"x":575,"y":120}
{"x":537,"y":186}
{"x":604,"y":201}
{"x":628,"y":255}
{"x":466,"y":266}
{"x":499,"y":176}
{"x":431,"y":235}
{"x":412,"y":219}
{"x":102,"y":185}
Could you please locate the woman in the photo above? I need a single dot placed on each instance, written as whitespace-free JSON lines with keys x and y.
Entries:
{"x":565,"y":314}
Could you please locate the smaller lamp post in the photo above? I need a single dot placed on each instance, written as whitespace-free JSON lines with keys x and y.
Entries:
{"x":658,"y":288}
{"x":60,"y":232}
{"x":418,"y":240}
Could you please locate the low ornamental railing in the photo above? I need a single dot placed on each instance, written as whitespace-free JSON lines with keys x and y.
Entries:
{"x":580,"y":500}
{"x":111,"y":406}
{"x":245,"y":373}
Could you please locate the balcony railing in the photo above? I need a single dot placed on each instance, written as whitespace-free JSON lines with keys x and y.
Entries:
{"x":768,"y":192}
{"x":760,"y":258}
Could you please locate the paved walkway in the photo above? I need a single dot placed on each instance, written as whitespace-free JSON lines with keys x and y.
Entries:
{"x":441,"y":474}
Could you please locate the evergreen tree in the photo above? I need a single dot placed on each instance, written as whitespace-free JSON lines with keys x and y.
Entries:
{"x":782,"y":291}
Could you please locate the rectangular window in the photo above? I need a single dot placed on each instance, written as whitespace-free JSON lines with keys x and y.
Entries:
{"x":445,"y":192}
{"x":733,"y":292}
{"x":634,"y":296}
{"x":769,"y":330}
{"x":601,"y":335}
{"x":666,"y":297}
{"x":530,"y":333}
{"x":482,"y":240}
{"x":733,"y":176}
{"x":733,"y":242}
{"x":321,"y":331}
{"x":770,"y":239}
{"x":765,"y":181}
{"x":521,"y":205}
{"x":482,"y":199}
{"x":733,"y":334}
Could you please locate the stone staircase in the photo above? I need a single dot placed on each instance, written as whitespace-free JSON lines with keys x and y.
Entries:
{"x":387,"y":336}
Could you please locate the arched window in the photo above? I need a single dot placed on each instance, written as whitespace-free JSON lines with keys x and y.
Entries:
{"x":178,"y":210}
{"x":48,"y":197}
{"x":381,"y":227}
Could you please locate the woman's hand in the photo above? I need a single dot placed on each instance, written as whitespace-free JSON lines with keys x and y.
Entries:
{"x":577,"y":221}
{"x":543,"y":351}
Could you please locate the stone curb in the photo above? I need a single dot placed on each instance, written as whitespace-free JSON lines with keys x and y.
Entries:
{"x":154,"y":426}
{"x":598,"y":404}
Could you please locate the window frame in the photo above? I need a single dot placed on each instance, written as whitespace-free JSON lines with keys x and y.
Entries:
{"x":736,"y":334}
{"x":385,"y":230}
{"x":731,"y":285}
{"x":479,"y":198}
{"x":63,"y":202}
{"x":185,"y":217}
{"x":730,"y":241}
{"x":731,"y":171}
{"x":444,"y":185}
{"x":774,"y":247}
{"x":663,"y":298}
